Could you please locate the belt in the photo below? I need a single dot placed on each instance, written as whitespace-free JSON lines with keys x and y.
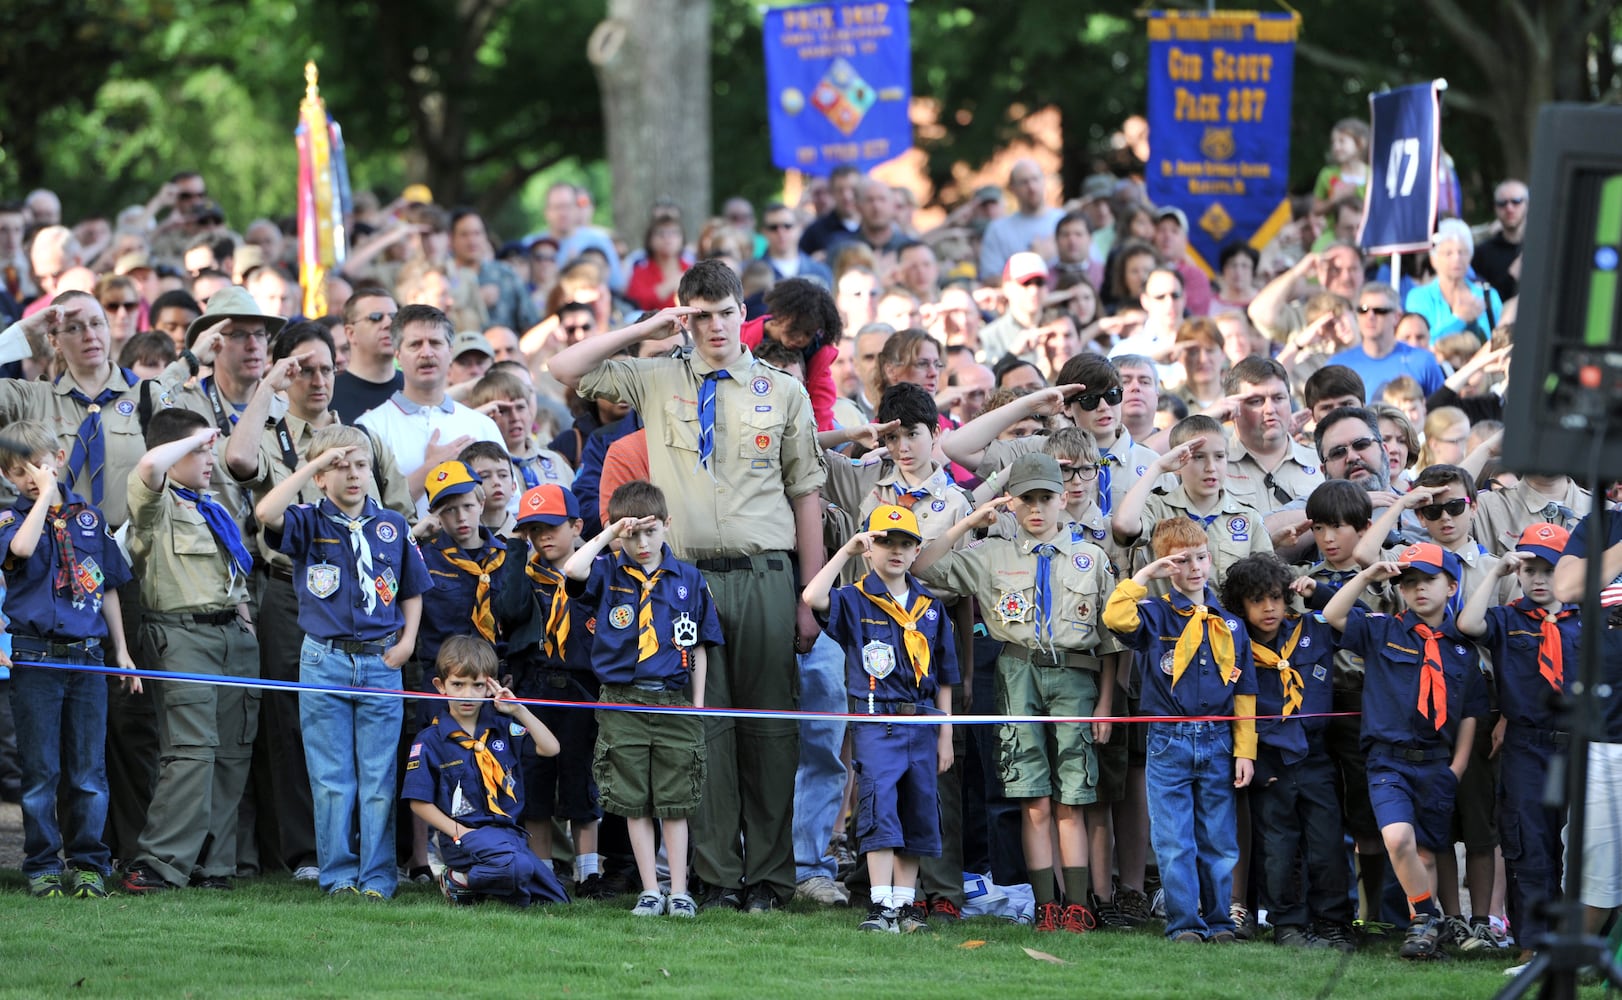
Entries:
{"x":859,"y":707}
{"x":740,"y":564}
{"x":653,"y":686}
{"x":224,"y":617}
{"x":357,"y":648}
{"x":1411,"y":754}
{"x":50,"y":647}
{"x":1526,"y":736}
{"x":1043,"y":658}
{"x":278,"y":573}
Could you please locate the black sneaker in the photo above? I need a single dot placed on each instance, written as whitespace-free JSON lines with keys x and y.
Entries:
{"x":1335,"y":935}
{"x":717,"y":898}
{"x":140,"y":879}
{"x":1424,"y":938}
{"x":218,"y":882}
{"x":1295,"y":937}
{"x":760,"y":899}
{"x":914,"y":918}
{"x":881,"y":919}
{"x":593,"y":887}
{"x":1109,"y":916}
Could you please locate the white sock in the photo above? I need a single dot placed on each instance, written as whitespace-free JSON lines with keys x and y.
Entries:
{"x":903,"y":897}
{"x":880,"y":895}
{"x":586,"y":865}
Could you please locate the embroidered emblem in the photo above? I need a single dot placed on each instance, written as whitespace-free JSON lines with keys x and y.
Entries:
{"x":760,"y":385}
{"x":930,"y":614}
{"x":764,"y":408}
{"x":1013,"y":608}
{"x":1083,"y":609}
{"x":125,"y":407}
{"x":86,"y":519}
{"x":442,"y":477}
{"x":1141,"y":470}
{"x":1083,"y":561}
{"x":1306,"y":641}
{"x":322,"y":580}
{"x":878,"y":659}
{"x":937,"y":505}
{"x":763,"y":441}
{"x":1320,"y":672}
{"x":681,"y":591}
{"x":387,"y":586}
{"x":1166,"y":662}
{"x":386,"y":532}
{"x":497,"y":745}
{"x":1239,"y":528}
{"x":620,"y":616}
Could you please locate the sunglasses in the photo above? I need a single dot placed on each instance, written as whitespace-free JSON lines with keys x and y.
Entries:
{"x":1361,"y":444}
{"x":189,"y":195}
{"x":1376,"y":310}
{"x":582,"y":328}
{"x":1506,"y":202}
{"x":1453,"y":508}
{"x":1089,"y":400}
{"x":379,"y":317}
{"x":778,"y":226}
{"x":121,"y":306}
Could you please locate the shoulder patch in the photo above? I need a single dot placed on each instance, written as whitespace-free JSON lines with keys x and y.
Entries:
{"x":6,"y":517}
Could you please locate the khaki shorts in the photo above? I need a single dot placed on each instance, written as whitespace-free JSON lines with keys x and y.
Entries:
{"x":1037,"y":760}
{"x":648,"y":764}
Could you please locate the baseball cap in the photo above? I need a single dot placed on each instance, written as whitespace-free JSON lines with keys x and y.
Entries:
{"x":1546,"y":541}
{"x":548,"y":503}
{"x":1024,"y":266}
{"x":988,"y":192}
{"x":1172,"y":212}
{"x":467,"y":341}
{"x":1034,"y":471}
{"x":1430,"y":558}
{"x":888,"y":518}
{"x":450,"y":479}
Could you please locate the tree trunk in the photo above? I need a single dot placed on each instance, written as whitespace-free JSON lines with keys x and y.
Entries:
{"x":652,"y":59}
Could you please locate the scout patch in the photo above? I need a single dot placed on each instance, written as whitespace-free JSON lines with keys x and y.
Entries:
{"x":387,"y":586}
{"x":930,"y":614}
{"x":322,"y":580}
{"x":620,"y":616}
{"x":760,"y":385}
{"x":1167,"y":661}
{"x":1320,"y":672}
{"x":125,"y":407}
{"x":684,"y":631}
{"x":87,"y":519}
{"x":546,"y":463}
{"x":1083,"y":610}
{"x":878,"y":659}
{"x":1013,"y":607}
{"x":1306,"y":641}
{"x":764,"y":408}
{"x":763,"y":441}
{"x":497,"y":746}
{"x":515,"y":729}
{"x":1239,"y":528}
{"x":937,"y":505}
{"x":681,"y":591}
{"x":386,"y":532}
{"x":6,"y":517}
{"x":1141,"y":470}
{"x":1083,"y":561}
{"x":591,"y":624}
{"x":89,"y":575}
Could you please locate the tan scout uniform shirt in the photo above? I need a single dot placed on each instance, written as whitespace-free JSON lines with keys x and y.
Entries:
{"x":1128,"y":461}
{"x":273,"y":470}
{"x":1235,"y":531}
{"x":176,"y":558}
{"x":1501,"y":515}
{"x":227,"y":492}
{"x":765,"y":449}
{"x":1001,"y":574}
{"x":1297,"y":475}
{"x":862,"y":488}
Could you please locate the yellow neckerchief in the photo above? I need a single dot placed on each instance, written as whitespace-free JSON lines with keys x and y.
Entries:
{"x":1294,"y":687}
{"x":484,"y":617}
{"x":496,"y":779}
{"x":1194,"y":633}
{"x":647,"y":642}
{"x":557,"y":618}
{"x":916,"y":642}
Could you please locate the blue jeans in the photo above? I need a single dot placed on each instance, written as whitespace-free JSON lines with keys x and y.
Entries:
{"x":61,"y":718}
{"x":819,"y":784}
{"x":349,"y":747}
{"x":1192,"y":823}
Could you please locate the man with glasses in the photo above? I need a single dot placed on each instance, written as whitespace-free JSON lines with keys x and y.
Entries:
{"x":783,"y":248}
{"x":371,"y":378}
{"x":1497,"y":258}
{"x":576,"y":322}
{"x":1266,"y":467}
{"x":1024,"y":281}
{"x":1162,"y":301}
{"x":1350,"y":447}
{"x":1381,"y":357}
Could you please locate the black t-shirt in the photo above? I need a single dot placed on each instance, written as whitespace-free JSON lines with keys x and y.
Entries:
{"x":1491,"y":261}
{"x":353,"y":395}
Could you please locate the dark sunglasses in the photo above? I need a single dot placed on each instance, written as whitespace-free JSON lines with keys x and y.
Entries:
{"x":121,"y":306}
{"x":1361,"y":444}
{"x":1506,"y":202}
{"x":1089,"y":400}
{"x":1453,"y":508}
{"x":1376,"y":310}
{"x":583,"y":328}
{"x":775,"y":226}
{"x":379,"y":317}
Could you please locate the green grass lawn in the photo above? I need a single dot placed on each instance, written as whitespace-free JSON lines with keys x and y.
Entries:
{"x":272,"y":937}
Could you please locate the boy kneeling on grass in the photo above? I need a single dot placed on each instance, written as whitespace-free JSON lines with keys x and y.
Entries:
{"x":655,"y":617}
{"x":1422,"y":692}
{"x":899,"y":650}
{"x":1196,"y":661}
{"x":463,"y":780}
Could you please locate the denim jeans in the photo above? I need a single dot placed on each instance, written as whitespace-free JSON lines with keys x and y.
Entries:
{"x":819,"y":784}
{"x":61,"y":738}
{"x":1192,"y":823}
{"x":349,"y":747}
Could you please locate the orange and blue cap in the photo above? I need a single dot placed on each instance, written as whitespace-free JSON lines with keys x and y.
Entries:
{"x":548,"y":503}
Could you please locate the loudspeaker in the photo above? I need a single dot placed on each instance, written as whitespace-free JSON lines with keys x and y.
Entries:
{"x":1565,"y":384}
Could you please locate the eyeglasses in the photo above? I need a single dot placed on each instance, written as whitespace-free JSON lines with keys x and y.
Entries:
{"x":777,"y":226}
{"x":1039,"y":282}
{"x":1163,"y":296}
{"x":259,"y":334}
{"x":1085,"y":473}
{"x":1376,"y":310}
{"x":925,"y":364}
{"x":1361,"y":444}
{"x":121,"y":306}
{"x":544,"y":258}
{"x":190,"y":195}
{"x":577,"y":329}
{"x":1453,"y":508}
{"x":379,"y":317}
{"x":1506,"y":202}
{"x":1089,"y":400}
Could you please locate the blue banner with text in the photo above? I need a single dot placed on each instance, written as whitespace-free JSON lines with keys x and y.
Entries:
{"x":1219,"y":124}
{"x":838,"y":84}
{"x":1405,"y":149}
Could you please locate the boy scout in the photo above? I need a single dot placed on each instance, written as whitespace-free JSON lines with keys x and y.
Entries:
{"x":193,"y":566}
{"x":734,"y":442}
{"x":1047,"y":588}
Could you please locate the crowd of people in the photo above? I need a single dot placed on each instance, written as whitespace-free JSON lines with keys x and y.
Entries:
{"x":1038,"y":461}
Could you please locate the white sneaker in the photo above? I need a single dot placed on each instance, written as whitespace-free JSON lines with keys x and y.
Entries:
{"x":649,"y":904}
{"x":307,"y":873}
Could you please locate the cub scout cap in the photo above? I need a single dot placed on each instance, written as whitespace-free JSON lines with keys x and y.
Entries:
{"x":449,"y":479}
{"x":889,"y":518}
{"x":1034,"y":471}
{"x":1546,"y":541}
{"x":1431,"y":559}
{"x":548,"y":503}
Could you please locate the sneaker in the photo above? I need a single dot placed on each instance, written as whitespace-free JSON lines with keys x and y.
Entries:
{"x":141,"y":879}
{"x":1293,"y":936}
{"x":1132,"y":905}
{"x":681,"y":905}
{"x":344,"y":892}
{"x":914,"y":918}
{"x":306,"y":873}
{"x":649,"y":904}
{"x":89,"y":885}
{"x":844,"y":860}
{"x":1157,"y":904}
{"x":1244,"y":924}
{"x":760,"y":899}
{"x":1109,"y":916}
{"x":718,"y":898}
{"x":593,"y":887}
{"x":1373,"y":928}
{"x":375,"y":895}
{"x":823,"y":891}
{"x":218,"y":882}
{"x":943,"y":910}
{"x":1188,"y":937}
{"x":881,"y":919}
{"x":1048,"y":916}
{"x":421,"y":875}
{"x":1478,"y":937}
{"x":1335,"y":935}
{"x":1224,"y":937}
{"x":46,"y":885}
{"x":456,"y":895}
{"x":1500,"y":931}
{"x":1077,"y":919}
{"x":1424,"y":938}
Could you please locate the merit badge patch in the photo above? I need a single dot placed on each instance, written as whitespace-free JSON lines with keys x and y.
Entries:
{"x":1239,"y":528}
{"x":760,"y":385}
{"x":878,"y":659}
{"x":763,"y":441}
{"x":620,"y":616}
{"x":1013,"y":608}
{"x":125,"y":407}
{"x":387,"y":586}
{"x":386,"y":532}
{"x":591,"y":625}
{"x":322,"y":580}
{"x":86,"y":519}
{"x":1083,"y":561}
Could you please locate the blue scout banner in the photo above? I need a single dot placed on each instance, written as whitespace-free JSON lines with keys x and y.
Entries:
{"x":1219,"y":124}
{"x":1400,"y":210}
{"x":838,"y":83}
